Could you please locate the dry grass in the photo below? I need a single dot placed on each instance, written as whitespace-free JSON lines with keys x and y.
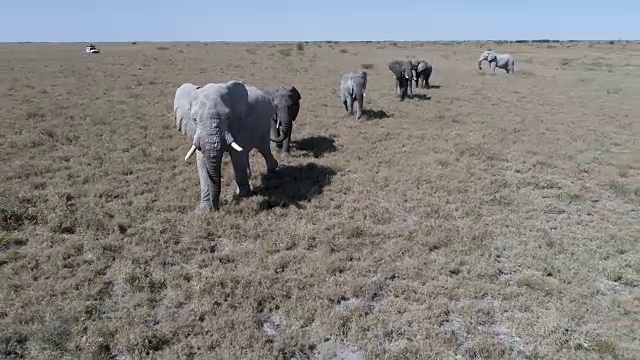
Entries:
{"x":499,"y":219}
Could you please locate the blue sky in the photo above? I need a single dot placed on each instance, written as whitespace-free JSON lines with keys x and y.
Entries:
{"x":279,"y":20}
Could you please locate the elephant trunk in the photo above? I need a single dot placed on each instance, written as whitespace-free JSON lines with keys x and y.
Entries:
{"x":281,"y":126}
{"x":211,"y":148}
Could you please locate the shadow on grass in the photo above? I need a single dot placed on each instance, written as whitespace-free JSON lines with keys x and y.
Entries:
{"x":315,"y":146}
{"x":420,"y":97}
{"x":292,"y":185}
{"x":375,"y":114}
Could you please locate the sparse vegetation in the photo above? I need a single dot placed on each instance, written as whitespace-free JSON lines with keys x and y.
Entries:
{"x":284,"y":52}
{"x":497,"y":219}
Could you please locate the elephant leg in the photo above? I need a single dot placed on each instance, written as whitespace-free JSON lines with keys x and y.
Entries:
{"x":343,"y":97}
{"x":265,"y":150}
{"x":206,"y":186}
{"x":242,"y":172}
{"x":350,"y":104}
{"x":493,"y":68}
{"x":359,"y":105}
{"x":398,"y":88}
{"x":409,"y":89}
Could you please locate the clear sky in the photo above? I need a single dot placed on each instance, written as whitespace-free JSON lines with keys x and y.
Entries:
{"x":280,"y":20}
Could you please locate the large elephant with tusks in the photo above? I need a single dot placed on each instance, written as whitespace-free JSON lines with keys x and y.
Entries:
{"x":232,"y":117}
{"x":403,"y":71}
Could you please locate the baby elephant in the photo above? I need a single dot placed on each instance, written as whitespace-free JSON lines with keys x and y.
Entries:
{"x":501,"y":61}
{"x":352,"y":87}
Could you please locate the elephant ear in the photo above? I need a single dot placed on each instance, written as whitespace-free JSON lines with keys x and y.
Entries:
{"x":396,"y":68}
{"x":364,"y":76}
{"x":294,"y":101}
{"x":422,"y":65}
{"x":294,"y":94}
{"x":492,"y":56}
{"x":182,"y":109}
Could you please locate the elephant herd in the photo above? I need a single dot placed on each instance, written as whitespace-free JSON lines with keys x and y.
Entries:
{"x":236,"y":117}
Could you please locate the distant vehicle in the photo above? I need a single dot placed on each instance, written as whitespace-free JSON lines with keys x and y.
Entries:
{"x":91,"y":49}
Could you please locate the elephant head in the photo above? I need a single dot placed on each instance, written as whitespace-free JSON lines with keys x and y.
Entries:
{"x":488,"y":55}
{"x":206,"y":117}
{"x":286,"y":99}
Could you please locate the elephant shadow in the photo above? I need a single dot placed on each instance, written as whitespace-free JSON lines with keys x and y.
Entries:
{"x":435,"y":87}
{"x":421,"y":97}
{"x":315,"y":146}
{"x":293,"y":184}
{"x":375,"y":114}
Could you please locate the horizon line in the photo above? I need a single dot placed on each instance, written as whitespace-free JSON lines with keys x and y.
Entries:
{"x":542,"y":40}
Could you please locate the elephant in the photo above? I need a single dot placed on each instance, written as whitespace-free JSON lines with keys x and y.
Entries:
{"x":352,"y":88}
{"x":501,"y":61}
{"x":403,"y":71}
{"x":286,"y":99}
{"x":422,"y":71}
{"x":231,"y":117}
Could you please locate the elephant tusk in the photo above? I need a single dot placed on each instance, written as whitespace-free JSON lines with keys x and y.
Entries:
{"x":191,"y":151}
{"x":235,"y":146}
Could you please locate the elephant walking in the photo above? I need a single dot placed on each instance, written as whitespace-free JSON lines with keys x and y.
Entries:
{"x":501,"y":61}
{"x":422,"y":71}
{"x":231,"y":117}
{"x":286,"y":100}
{"x":352,"y":88}
{"x":403,"y":71}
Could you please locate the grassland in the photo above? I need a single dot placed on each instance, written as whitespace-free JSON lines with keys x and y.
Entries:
{"x":497,"y":219}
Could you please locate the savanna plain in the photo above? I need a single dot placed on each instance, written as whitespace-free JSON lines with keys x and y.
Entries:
{"x":492,"y":217}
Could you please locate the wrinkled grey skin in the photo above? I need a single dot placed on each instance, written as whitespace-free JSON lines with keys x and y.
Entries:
{"x":352,"y":87}
{"x":216,"y":115}
{"x":403,"y":71}
{"x":286,"y":99}
{"x":501,"y":61}
{"x":422,"y":71}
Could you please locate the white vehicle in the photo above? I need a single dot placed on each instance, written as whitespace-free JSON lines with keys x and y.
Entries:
{"x":91,"y":49}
